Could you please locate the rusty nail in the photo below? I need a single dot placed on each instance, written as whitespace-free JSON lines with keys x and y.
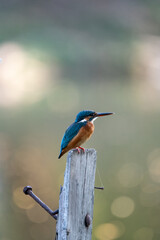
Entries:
{"x":28,"y":191}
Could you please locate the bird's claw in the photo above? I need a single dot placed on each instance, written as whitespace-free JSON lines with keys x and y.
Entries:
{"x":81,"y":149}
{"x":78,"y":149}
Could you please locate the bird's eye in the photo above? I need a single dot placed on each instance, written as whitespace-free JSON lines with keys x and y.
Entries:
{"x":92,"y":115}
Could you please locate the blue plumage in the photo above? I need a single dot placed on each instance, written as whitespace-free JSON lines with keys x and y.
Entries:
{"x":70,"y":133}
{"x":81,"y":115}
{"x":83,"y":119}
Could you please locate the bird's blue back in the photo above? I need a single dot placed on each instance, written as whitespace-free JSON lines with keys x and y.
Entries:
{"x":70,"y":133}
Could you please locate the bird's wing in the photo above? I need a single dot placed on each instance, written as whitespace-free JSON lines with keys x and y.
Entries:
{"x":70,"y":133}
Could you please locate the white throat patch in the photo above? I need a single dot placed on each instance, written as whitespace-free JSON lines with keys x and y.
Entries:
{"x":94,"y":119}
{"x":84,"y":120}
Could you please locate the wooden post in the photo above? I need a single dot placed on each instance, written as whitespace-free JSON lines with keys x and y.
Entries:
{"x":77,"y":197}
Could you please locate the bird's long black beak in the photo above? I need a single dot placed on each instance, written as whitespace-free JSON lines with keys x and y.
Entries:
{"x":103,"y":114}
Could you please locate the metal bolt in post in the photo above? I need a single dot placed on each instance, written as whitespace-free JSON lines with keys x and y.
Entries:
{"x":28,"y":191}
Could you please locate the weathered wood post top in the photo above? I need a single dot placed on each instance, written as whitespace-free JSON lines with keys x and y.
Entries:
{"x":77,"y":197}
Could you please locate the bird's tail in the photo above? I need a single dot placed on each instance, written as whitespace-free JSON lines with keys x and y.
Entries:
{"x":60,"y":155}
{"x":62,"y":152}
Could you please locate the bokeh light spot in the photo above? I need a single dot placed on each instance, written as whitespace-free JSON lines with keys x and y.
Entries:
{"x":23,"y":78}
{"x":21,"y":200}
{"x":122,"y":207}
{"x":144,"y":234}
{"x":109,"y":231}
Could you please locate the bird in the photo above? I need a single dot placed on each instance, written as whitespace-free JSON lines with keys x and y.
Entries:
{"x":80,"y":131}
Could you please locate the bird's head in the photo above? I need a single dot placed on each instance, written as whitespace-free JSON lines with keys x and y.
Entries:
{"x":88,"y":115}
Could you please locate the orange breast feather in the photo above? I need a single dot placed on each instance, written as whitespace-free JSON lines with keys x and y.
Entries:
{"x":83,"y":135}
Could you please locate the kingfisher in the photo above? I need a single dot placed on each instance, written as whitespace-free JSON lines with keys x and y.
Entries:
{"x":79,"y":131}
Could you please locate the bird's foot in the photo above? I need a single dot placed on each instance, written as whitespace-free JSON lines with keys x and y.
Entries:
{"x":77,"y":149}
{"x":80,"y":148}
{"x":83,"y":149}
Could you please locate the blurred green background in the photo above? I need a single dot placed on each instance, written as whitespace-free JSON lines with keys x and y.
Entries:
{"x":61,"y":57}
